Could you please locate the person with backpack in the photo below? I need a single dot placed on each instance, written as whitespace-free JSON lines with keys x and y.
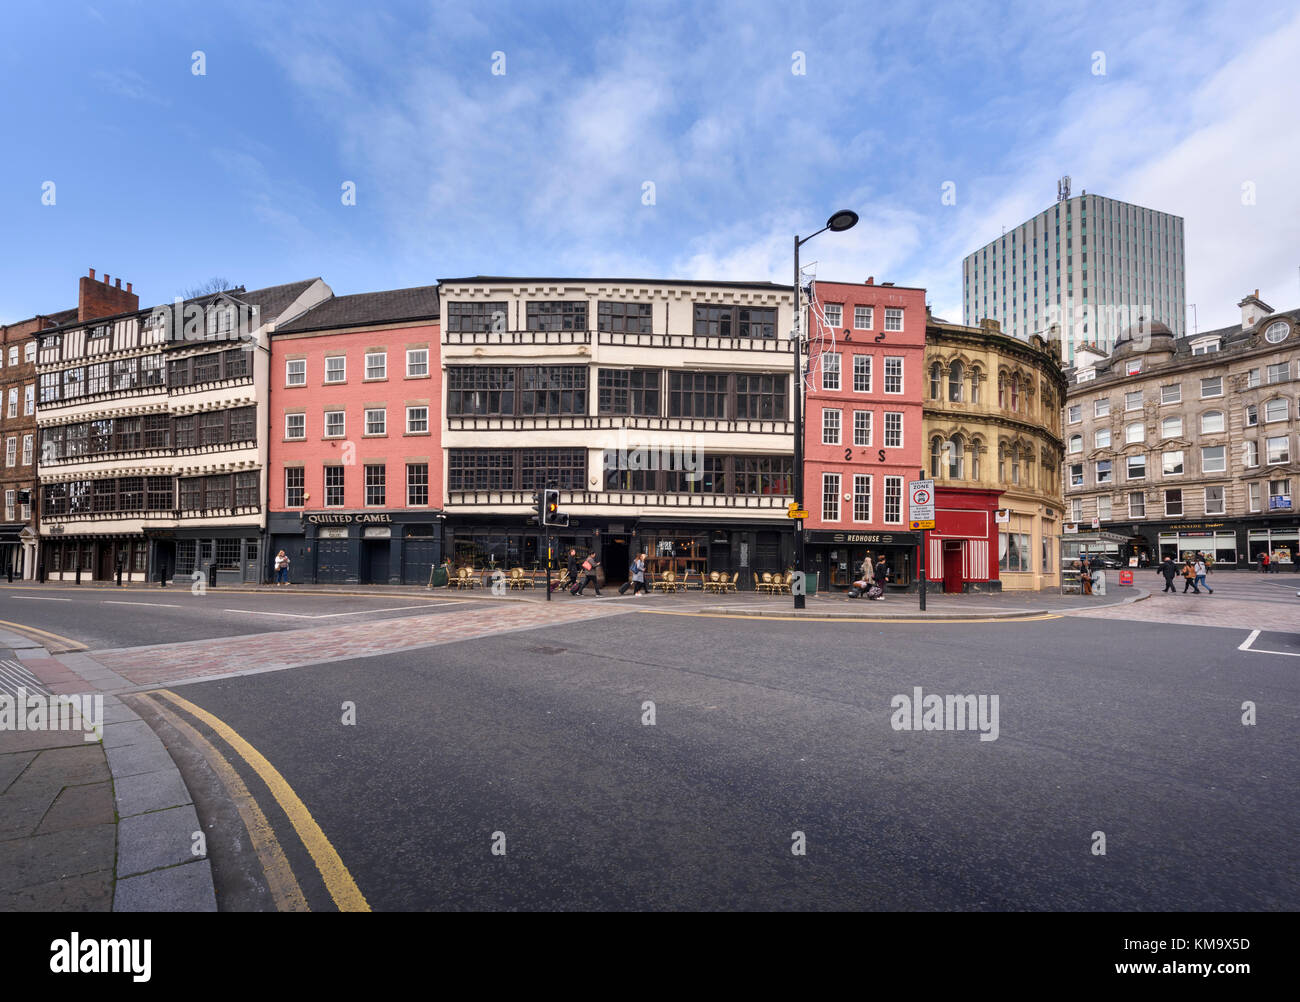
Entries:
{"x":1199,"y":567}
{"x":635,"y":576}
{"x":1169,"y":571}
{"x":1189,"y":576}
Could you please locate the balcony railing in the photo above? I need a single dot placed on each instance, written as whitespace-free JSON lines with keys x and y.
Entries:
{"x":617,"y":339}
{"x":50,"y":519}
{"x":758,"y":503}
{"x":613,"y":422}
{"x":516,"y":338}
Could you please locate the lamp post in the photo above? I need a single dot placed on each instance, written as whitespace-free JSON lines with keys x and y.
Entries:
{"x":843,"y":220}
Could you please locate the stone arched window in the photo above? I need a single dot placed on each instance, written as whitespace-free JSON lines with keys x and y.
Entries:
{"x":976,"y":447}
{"x":975,"y":378}
{"x":936,"y":381}
{"x":1002,"y":389}
{"x":1015,"y":392}
{"x":1002,"y":463}
{"x":956,"y":381}
{"x":936,"y":458}
{"x":956,"y":458}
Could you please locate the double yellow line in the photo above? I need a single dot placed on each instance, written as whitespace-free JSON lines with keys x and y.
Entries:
{"x":284,"y":887}
{"x":61,"y":644}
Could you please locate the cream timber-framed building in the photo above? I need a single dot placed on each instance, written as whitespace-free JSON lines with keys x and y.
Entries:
{"x":661,"y":410}
{"x":153,"y":445}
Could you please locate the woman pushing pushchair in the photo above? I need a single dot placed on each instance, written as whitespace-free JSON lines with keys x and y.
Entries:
{"x":871,"y":583}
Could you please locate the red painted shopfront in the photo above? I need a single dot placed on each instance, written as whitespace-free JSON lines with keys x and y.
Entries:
{"x":963,"y":546}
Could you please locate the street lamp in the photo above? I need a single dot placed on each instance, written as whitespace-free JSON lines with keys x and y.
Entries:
{"x":843,"y":220}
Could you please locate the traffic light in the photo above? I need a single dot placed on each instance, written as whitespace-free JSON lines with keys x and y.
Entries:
{"x":551,"y":514}
{"x":540,"y":507}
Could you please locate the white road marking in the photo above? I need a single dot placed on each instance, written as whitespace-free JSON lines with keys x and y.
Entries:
{"x":37,"y":598}
{"x":400,"y":608}
{"x":335,"y":615}
{"x":147,"y":605}
{"x":1255,"y":650}
{"x":259,"y":612}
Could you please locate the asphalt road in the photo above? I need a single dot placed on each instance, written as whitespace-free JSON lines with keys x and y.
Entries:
{"x":103,"y":618}
{"x":766,"y":728}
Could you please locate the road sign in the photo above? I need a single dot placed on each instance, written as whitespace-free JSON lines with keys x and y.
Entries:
{"x":797,"y":513}
{"x":920,"y":504}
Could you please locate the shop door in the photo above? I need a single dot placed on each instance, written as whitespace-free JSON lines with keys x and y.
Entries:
{"x":616,"y":557}
{"x":419,"y":554}
{"x":107,"y":562}
{"x":331,"y":561}
{"x":374,"y":561}
{"x":953,"y":552}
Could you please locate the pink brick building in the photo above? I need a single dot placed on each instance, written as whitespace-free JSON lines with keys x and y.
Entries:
{"x":863,"y":428}
{"x":356,"y":465}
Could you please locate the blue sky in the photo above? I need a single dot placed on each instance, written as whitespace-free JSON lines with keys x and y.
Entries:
{"x":166,"y":178}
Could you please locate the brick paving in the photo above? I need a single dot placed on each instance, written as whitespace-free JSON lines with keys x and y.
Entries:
{"x":163,"y":664}
{"x":1240,"y":601}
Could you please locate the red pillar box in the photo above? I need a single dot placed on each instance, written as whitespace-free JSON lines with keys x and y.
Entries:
{"x":1126,"y":578}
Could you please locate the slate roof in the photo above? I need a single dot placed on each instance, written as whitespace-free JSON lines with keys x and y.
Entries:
{"x":417,"y":303}
{"x":1232,"y":339}
{"x":519,"y":280}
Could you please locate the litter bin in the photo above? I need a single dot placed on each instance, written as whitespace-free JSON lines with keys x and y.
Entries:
{"x":810,"y":582}
{"x":438,"y":577}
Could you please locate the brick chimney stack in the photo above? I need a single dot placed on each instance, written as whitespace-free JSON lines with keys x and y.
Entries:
{"x":100,"y":299}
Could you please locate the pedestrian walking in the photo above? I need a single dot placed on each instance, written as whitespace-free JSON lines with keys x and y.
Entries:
{"x":1199,"y":567}
{"x":884,"y":576}
{"x":1263,"y":562}
{"x":589,"y":575}
{"x":638,"y":576}
{"x":1169,"y":571}
{"x":1189,"y":577}
{"x":571,"y":578}
{"x":282,"y":569}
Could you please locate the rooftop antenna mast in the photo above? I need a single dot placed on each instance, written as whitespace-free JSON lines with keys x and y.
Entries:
{"x":1063,"y":188}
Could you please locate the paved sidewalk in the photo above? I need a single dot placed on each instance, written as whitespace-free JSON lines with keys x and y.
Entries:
{"x":105,"y":824}
{"x":898,"y":605}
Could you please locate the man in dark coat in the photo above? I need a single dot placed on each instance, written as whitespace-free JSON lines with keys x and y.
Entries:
{"x":1169,"y":570}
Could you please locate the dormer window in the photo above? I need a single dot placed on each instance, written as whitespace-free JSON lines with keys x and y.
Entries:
{"x":1276,"y":332}
{"x":1086,"y":374}
{"x":1205,"y":346}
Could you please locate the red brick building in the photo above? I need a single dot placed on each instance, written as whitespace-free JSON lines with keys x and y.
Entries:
{"x":863,"y":427}
{"x":355,"y":482}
